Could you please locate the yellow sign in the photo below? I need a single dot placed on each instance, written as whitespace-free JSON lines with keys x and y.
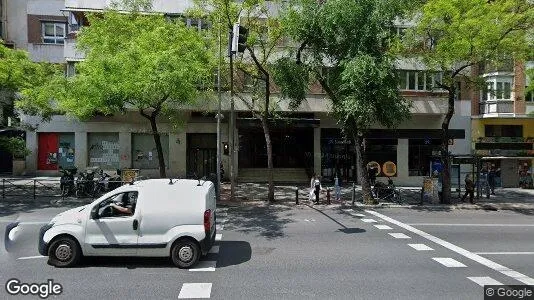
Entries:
{"x":389,"y":168}
{"x":129,"y":175}
{"x":374,"y":164}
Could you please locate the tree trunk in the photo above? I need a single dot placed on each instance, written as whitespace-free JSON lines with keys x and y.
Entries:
{"x":159,"y":149}
{"x":362,"y":170}
{"x":268,"y":143}
{"x":445,"y":157}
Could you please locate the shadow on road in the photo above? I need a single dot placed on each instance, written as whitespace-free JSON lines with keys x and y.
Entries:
{"x":343,"y":228}
{"x":268,"y":221}
{"x":233,"y":253}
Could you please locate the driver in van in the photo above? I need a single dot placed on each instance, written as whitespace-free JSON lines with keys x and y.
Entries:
{"x":128,"y":202}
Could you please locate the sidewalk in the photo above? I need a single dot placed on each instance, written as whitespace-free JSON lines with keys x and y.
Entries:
{"x":256,"y":193}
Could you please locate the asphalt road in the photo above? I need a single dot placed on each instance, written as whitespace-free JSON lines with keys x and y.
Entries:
{"x":305,"y":252}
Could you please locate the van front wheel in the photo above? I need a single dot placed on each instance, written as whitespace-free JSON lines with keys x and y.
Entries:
{"x":64,"y":252}
{"x":185,"y":253}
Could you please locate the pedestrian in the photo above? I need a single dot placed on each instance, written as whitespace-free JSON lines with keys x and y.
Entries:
{"x":337,"y":187}
{"x":312,"y":187}
{"x":469,"y":189}
{"x":492,"y":173}
{"x":317,"y":188}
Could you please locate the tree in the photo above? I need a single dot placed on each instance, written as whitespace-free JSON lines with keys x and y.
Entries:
{"x":264,"y":35}
{"x":350,"y":39}
{"x":453,"y":36}
{"x":133,"y":61}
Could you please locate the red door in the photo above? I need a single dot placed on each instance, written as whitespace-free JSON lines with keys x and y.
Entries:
{"x":47,"y":151}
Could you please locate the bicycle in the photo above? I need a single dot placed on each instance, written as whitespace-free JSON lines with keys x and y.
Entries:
{"x":390,"y":193}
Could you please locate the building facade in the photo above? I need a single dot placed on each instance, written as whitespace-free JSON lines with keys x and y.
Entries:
{"x":307,"y":141}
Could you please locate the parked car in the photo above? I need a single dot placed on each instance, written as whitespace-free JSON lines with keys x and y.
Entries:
{"x":156,"y":218}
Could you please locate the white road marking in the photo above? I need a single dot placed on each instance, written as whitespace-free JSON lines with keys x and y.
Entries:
{"x":32,"y":257}
{"x":357,"y":215}
{"x":195,"y":290}
{"x":481,"y":260}
{"x":214,"y":249}
{"x":220,"y":227}
{"x":465,"y":225}
{"x":399,"y":235}
{"x":348,"y":210}
{"x":383,"y":227}
{"x":505,"y":253}
{"x":204,"y":266}
{"x":218,"y":237}
{"x":369,"y":220}
{"x":449,"y":262}
{"x":482,"y":281}
{"x":29,"y":222}
{"x":420,"y":247}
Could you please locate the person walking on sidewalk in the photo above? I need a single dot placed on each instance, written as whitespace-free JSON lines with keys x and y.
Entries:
{"x":317,"y":188}
{"x":491,"y":179}
{"x":469,"y":189}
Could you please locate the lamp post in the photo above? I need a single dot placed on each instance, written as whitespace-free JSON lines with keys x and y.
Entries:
{"x":219,"y":117}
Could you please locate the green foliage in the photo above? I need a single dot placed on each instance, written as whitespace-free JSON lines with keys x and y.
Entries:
{"x":293,"y":80}
{"x":136,"y":61}
{"x":15,"y":146}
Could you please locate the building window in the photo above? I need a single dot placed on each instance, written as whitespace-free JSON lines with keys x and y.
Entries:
{"x":76,"y":21}
{"x":410,"y":80}
{"x":103,"y":150}
{"x":53,"y":33}
{"x":498,"y":88}
{"x":420,"y":153}
{"x":144,"y":153}
{"x":503,"y":130}
{"x":71,"y":68}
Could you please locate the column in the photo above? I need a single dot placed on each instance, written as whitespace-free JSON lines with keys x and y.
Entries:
{"x":125,"y":149}
{"x":402,"y":160}
{"x":317,"y":150}
{"x":32,"y":145}
{"x":80,"y":155}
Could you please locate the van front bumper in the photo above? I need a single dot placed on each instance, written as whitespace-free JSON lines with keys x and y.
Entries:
{"x":207,"y":243}
{"x":43,"y":247}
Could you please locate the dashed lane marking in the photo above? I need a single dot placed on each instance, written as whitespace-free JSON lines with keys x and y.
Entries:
{"x":32,"y":257}
{"x":383,"y":227}
{"x":195,"y":290}
{"x":204,"y":266}
{"x":449,"y":262}
{"x":214,"y":249}
{"x":399,"y":235}
{"x":357,"y":215}
{"x":369,"y":220}
{"x":482,"y":281}
{"x":218,"y":237}
{"x":481,"y":260}
{"x":420,"y":247}
{"x":474,"y":225}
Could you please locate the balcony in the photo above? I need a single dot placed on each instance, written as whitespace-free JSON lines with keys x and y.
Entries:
{"x":497,"y":107}
{"x":70,"y":51}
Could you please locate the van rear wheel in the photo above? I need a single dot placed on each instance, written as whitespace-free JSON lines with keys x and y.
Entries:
{"x":64,"y":252}
{"x":185,"y":253}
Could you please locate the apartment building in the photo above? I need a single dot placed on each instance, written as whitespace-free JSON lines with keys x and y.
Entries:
{"x":309,"y":141}
{"x":503,"y":121}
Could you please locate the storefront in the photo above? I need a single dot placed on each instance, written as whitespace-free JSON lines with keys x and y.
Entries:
{"x":55,"y":150}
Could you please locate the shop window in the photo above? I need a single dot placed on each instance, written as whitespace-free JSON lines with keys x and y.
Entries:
{"x":144,"y":154}
{"x":420,"y":154}
{"x":55,"y":150}
{"x":103,"y":150}
{"x":503,"y":130}
{"x":381,"y":151}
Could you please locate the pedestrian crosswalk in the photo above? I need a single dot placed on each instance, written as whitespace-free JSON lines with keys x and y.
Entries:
{"x":203,"y":290}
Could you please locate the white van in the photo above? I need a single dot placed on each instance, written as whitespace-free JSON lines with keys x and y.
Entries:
{"x":157,"y":217}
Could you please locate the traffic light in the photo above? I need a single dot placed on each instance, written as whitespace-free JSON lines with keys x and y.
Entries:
{"x":239,"y":38}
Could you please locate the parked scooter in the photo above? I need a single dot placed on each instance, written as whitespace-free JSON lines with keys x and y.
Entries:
{"x":85,"y":184}
{"x":66,"y":182}
{"x":106,"y":183}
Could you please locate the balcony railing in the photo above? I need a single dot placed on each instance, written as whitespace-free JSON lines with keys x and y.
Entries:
{"x":497,"y":107}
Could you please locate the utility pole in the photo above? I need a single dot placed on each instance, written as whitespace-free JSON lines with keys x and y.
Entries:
{"x":232,"y":118}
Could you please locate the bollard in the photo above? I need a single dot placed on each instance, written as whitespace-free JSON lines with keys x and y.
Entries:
{"x":353,"y":193}
{"x":297,"y":196}
{"x":34,"y":186}
{"x":328,"y":196}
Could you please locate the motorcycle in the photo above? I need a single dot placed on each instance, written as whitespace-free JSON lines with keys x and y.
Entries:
{"x":106,"y":183}
{"x":85,"y":183}
{"x":66,"y":182}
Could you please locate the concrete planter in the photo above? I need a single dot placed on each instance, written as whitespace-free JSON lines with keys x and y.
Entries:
{"x":19,"y":167}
